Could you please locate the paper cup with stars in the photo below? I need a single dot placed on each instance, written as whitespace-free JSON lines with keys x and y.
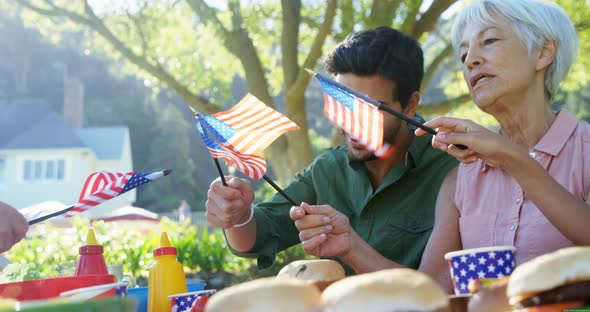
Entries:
{"x":183,"y":302}
{"x":487,"y":262}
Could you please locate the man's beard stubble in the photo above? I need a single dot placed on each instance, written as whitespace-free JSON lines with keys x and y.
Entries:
{"x":387,"y":138}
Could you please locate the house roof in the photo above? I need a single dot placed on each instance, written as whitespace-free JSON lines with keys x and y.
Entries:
{"x":17,"y":116}
{"x":49,"y":132}
{"x":106,"y":142}
{"x":33,"y":124}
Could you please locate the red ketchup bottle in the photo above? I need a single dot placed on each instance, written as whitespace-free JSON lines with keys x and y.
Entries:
{"x":91,"y":260}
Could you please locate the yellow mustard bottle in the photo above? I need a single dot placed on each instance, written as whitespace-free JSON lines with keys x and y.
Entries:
{"x":166,"y":277}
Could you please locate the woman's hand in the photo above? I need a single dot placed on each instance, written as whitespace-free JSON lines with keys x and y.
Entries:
{"x":481,"y":143}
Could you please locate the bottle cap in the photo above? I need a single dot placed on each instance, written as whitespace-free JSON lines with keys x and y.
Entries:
{"x":165,"y":247}
{"x":92,"y":246}
{"x":91,"y":238}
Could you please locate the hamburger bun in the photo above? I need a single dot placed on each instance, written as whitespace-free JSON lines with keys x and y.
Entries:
{"x":267,"y":295}
{"x":385,"y":291}
{"x":558,"y":278}
{"x":320,"y":273}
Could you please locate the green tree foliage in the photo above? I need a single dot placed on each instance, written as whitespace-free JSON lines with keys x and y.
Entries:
{"x":161,"y":129}
{"x":197,"y":47}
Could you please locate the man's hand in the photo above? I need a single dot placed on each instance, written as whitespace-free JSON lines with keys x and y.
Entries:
{"x":229,"y":205}
{"x":323,"y":230}
{"x":13,"y":226}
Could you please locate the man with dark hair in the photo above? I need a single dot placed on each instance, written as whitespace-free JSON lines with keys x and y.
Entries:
{"x":389,"y":201}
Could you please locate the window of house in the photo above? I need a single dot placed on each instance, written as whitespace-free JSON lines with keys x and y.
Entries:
{"x":28,"y":170}
{"x":61,"y":169}
{"x":44,"y":170}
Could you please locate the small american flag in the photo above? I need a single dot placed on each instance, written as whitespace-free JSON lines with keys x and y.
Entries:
{"x":102,"y":186}
{"x":250,"y":126}
{"x":253,"y":166}
{"x":360,"y":119}
{"x":182,"y":304}
{"x":239,"y":135}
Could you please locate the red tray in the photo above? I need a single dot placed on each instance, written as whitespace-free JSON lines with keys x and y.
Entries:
{"x":51,"y":287}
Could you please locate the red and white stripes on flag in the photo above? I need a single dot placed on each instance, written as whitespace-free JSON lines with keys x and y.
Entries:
{"x":253,"y":166}
{"x":256,"y":124}
{"x":98,"y":188}
{"x":364,"y":122}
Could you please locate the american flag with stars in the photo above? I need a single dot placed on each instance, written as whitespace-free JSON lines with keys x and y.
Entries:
{"x":361,"y":120}
{"x":253,"y":166}
{"x":469,"y":267}
{"x":102,"y":186}
{"x":239,"y":135}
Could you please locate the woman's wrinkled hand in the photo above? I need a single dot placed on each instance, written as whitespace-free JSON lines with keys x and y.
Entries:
{"x":481,"y":143}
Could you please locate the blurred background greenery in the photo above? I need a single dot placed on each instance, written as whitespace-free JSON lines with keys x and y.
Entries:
{"x":203,"y":252}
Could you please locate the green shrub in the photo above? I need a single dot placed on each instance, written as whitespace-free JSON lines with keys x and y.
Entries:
{"x":201,"y":251}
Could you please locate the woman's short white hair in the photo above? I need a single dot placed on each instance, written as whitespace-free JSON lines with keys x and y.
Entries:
{"x":535,"y":22}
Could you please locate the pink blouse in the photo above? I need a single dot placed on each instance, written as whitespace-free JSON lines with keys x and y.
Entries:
{"x":494,"y":210}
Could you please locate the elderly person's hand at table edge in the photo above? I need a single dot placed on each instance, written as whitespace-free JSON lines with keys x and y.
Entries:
{"x":13,"y":226}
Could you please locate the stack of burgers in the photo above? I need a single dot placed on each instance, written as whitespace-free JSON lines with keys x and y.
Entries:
{"x":320,"y":286}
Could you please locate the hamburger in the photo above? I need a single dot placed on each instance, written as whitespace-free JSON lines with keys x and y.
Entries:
{"x":320,"y":273}
{"x":392,"y":290}
{"x":553,"y":282}
{"x":268,"y":294}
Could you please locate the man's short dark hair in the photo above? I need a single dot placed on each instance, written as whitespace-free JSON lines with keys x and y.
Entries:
{"x":382,"y":51}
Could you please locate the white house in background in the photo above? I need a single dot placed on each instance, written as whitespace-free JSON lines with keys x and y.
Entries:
{"x":43,"y":157}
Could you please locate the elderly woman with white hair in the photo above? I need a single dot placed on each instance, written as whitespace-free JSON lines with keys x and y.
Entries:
{"x":526,"y":185}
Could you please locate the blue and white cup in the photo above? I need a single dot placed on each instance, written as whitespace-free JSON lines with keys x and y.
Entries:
{"x":183,"y":302}
{"x":471,"y":264}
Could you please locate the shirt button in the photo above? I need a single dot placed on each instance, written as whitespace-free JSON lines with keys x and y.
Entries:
{"x":533,"y":154}
{"x":518,"y":200}
{"x":512,"y":227}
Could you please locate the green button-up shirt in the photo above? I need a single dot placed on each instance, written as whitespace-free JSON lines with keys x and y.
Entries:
{"x":396,"y":219}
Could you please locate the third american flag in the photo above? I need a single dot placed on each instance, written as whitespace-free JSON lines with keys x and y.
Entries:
{"x":240,"y":134}
{"x":102,"y":186}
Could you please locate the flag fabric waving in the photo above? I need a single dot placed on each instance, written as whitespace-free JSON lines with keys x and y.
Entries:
{"x":240,"y":134}
{"x":360,"y":119}
{"x":250,"y":126}
{"x":253,"y":166}
{"x":102,"y":186}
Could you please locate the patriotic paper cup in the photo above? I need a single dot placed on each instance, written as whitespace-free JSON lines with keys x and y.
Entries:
{"x":471,"y":264}
{"x":183,"y":302}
